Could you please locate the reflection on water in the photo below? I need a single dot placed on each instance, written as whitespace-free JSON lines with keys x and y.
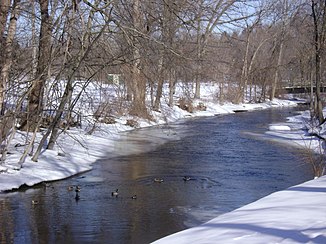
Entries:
{"x":227,"y":169}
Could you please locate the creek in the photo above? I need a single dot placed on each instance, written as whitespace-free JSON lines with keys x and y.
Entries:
{"x":227,"y":167}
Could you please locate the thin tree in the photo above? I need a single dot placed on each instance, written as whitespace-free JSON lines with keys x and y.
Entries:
{"x":167,"y":26}
{"x":75,"y":64}
{"x":4,"y":11}
{"x":318,"y":8}
{"x":35,"y":100}
{"x":8,"y":51}
{"x":206,"y":25}
{"x":280,"y":44}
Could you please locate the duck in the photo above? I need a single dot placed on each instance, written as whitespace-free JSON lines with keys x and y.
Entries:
{"x":115,"y":193}
{"x":77,"y":189}
{"x":158,"y":180}
{"x":35,"y":202}
{"x":70,"y":188}
{"x":134,"y":197}
{"x":186,"y":178}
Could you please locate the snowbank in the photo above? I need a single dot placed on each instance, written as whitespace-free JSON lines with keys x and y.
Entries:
{"x":279,"y":127}
{"x":298,"y":131}
{"x":295,"y":215}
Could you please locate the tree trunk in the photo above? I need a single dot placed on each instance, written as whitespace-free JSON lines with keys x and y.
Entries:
{"x":160,"y":83}
{"x":281,"y":49}
{"x":4,"y":10}
{"x":244,"y":72}
{"x":8,"y":50}
{"x":75,"y":64}
{"x":219,"y":8}
{"x":4,"y":7}
{"x":277,"y":71}
{"x":139,"y":84}
{"x":200,"y":50}
{"x":318,"y":50}
{"x":34,"y":40}
{"x":198,"y":80}
{"x":172,"y":84}
{"x":139,"y":88}
{"x":35,"y":103}
{"x":55,"y":125}
{"x":167,"y":32}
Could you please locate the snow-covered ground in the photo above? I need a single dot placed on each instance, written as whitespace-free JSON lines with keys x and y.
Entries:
{"x":294,"y":215}
{"x":297,"y":132}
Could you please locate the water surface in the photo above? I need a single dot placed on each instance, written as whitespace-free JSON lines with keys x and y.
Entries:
{"x":227,"y":169}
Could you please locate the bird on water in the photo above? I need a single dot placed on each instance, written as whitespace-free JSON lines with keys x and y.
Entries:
{"x":158,"y":180}
{"x":186,"y":178}
{"x":115,"y":193}
{"x":77,"y":197}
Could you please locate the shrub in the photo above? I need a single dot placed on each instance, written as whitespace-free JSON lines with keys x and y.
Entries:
{"x":132,"y":123}
{"x":107,"y":120}
{"x":201,"y":107}
{"x":186,"y":105}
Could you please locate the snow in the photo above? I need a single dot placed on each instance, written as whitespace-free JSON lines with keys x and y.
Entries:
{"x":295,"y":215}
{"x":279,"y":127}
{"x":297,"y":132}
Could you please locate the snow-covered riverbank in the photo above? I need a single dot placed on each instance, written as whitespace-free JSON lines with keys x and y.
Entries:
{"x":295,"y":215}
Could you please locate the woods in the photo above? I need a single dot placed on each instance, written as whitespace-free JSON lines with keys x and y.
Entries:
{"x":52,"y":50}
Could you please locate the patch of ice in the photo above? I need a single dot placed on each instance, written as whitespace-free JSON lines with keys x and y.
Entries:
{"x":279,"y":127}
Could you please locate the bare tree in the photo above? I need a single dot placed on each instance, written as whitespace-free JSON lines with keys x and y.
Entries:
{"x":280,"y":45}
{"x":150,"y":44}
{"x":35,"y":103}
{"x":8,"y":50}
{"x":139,"y":83}
{"x":318,"y":8}
{"x":4,"y":11}
{"x":74,"y":65}
{"x":131,"y":22}
{"x":4,"y":7}
{"x":168,"y":27}
{"x":208,"y":18}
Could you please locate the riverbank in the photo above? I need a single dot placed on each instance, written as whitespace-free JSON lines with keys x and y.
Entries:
{"x":76,"y":150}
{"x":295,"y":215}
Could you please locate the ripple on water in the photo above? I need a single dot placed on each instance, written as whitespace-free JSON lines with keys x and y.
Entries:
{"x":196,"y":214}
{"x":91,"y":179}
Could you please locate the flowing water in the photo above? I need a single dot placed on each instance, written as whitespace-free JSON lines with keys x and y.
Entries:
{"x":227,"y":168}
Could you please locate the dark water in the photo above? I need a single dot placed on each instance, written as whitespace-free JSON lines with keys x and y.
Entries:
{"x":228,"y":169}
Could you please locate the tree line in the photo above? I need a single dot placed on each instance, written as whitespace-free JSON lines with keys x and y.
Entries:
{"x":51,"y":50}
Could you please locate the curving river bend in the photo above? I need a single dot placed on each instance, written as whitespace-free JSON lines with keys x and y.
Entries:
{"x":227,"y":169}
